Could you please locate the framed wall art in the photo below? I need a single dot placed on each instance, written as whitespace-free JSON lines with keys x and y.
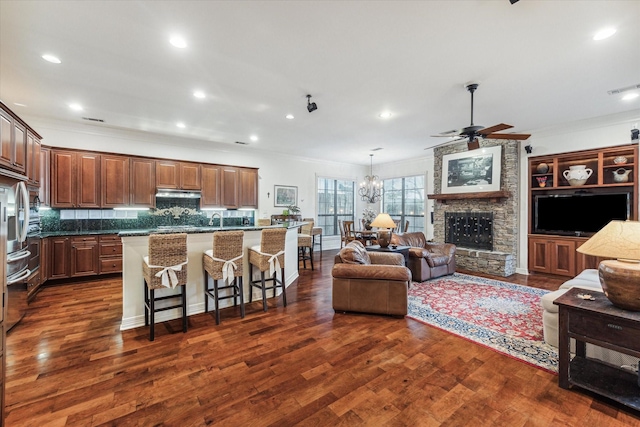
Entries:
{"x":285,"y":196}
{"x":472,"y":171}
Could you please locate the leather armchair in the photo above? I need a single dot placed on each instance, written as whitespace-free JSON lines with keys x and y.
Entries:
{"x":427,"y":260}
{"x":370,"y":282}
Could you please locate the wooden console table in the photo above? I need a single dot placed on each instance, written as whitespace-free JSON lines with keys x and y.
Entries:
{"x":600,"y":323}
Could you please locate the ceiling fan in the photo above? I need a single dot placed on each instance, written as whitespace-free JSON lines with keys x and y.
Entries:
{"x":472,"y":132}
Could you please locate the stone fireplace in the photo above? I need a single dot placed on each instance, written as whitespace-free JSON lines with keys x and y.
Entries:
{"x":483,"y":227}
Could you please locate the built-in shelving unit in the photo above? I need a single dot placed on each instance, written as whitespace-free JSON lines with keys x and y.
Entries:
{"x":612,"y":169}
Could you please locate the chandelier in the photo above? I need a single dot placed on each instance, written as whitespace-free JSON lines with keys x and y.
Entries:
{"x":371,"y":188}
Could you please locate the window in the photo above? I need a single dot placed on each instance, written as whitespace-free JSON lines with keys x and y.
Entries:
{"x":335,"y":202}
{"x":404,"y":200}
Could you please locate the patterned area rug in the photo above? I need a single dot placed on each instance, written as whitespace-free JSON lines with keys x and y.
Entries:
{"x":502,"y":316}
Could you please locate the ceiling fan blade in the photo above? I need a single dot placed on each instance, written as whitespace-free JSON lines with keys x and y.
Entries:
{"x":447,"y":142}
{"x":449,"y":133}
{"x":516,"y":136}
{"x":496,"y":128}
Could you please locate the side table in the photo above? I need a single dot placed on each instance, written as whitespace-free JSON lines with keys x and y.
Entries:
{"x":404,"y":250}
{"x":600,"y":323}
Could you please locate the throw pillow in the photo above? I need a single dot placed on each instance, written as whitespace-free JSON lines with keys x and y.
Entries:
{"x":355,"y":253}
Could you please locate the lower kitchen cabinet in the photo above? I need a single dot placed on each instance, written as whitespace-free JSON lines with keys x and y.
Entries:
{"x":110,"y":254}
{"x":79,"y":256}
{"x":84,"y":256}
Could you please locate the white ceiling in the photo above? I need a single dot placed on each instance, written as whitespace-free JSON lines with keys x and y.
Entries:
{"x":536,"y":62}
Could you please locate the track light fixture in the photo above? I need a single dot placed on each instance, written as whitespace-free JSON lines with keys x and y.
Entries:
{"x":311,"y":106}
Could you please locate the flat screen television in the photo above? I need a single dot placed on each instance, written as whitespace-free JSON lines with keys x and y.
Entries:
{"x":578,"y":214}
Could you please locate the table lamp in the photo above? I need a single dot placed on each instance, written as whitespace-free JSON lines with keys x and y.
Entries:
{"x":385,"y":222}
{"x":620,"y":278}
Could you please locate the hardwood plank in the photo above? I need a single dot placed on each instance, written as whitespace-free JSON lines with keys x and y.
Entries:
{"x":68,"y":364}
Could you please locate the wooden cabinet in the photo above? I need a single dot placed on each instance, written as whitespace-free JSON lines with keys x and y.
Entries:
{"x":13,"y":141}
{"x":34,"y":148}
{"x":177,"y":175}
{"x":190,"y":176}
{"x":211,"y":193}
{"x":554,"y":253}
{"x":84,"y":256}
{"x":59,"y":254}
{"x":110,"y":254}
{"x":78,"y":256}
{"x":143,"y":182}
{"x":75,"y":179}
{"x":229,"y":186}
{"x":44,"y":193}
{"x":115,"y":181}
{"x":248,"y":188}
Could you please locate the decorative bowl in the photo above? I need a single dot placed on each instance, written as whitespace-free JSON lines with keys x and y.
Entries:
{"x":620,"y":160}
{"x":542,"y":168}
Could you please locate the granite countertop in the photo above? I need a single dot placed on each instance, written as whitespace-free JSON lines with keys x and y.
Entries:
{"x":176,"y":229}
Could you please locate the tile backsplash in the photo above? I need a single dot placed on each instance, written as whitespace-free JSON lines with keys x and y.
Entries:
{"x":168,"y":212}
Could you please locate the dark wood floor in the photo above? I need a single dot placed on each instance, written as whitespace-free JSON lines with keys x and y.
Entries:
{"x":69,"y":364}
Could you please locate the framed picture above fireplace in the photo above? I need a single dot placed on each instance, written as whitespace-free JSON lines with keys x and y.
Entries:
{"x":472,"y":171}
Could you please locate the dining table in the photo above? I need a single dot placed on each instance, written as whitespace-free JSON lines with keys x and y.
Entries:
{"x":367,"y":237}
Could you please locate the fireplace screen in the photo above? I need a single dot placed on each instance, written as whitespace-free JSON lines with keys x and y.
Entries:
{"x":473,"y":230}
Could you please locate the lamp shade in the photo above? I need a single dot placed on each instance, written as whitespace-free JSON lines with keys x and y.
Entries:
{"x":618,"y":239}
{"x":383,"y":220}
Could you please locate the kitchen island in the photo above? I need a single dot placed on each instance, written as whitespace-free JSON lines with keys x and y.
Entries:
{"x":135,"y":245}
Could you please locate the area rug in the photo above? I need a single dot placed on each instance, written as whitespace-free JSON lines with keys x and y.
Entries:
{"x":502,"y":316}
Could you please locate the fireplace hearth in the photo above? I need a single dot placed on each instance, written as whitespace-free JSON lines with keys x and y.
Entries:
{"x":472,"y":230}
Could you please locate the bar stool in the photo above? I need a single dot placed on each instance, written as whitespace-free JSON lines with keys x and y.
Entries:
{"x":305,"y":242}
{"x":268,"y":256}
{"x":224,"y":262}
{"x":316,"y":231}
{"x":163,"y":269}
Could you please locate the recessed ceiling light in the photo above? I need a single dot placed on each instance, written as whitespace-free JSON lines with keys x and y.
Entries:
{"x":630,"y":96}
{"x":178,"y":42}
{"x":385,"y":115}
{"x":253,"y":138}
{"x":289,"y":116}
{"x":180,"y":125}
{"x":75,"y":107}
{"x":51,"y":58}
{"x":199,"y":94}
{"x":604,"y":34}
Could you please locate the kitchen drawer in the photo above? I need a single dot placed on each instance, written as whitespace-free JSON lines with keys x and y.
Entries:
{"x":614,"y":331}
{"x":110,"y":265}
{"x":110,"y":249}
{"x":90,"y":240}
{"x":110,"y":238}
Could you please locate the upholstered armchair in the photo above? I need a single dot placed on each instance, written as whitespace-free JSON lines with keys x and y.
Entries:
{"x":370,"y":282}
{"x":427,"y":260}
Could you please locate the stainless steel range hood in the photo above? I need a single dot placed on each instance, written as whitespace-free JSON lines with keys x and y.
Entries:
{"x":177,"y":194}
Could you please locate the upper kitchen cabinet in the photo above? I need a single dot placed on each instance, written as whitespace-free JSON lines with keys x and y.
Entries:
{"x":34,"y":148}
{"x":248,"y":188}
{"x":143,"y":182}
{"x":177,"y":175}
{"x":13,"y":141}
{"x":211,"y":194}
{"x":229,"y":186}
{"x":115,"y":179}
{"x":190,"y":176}
{"x":45,"y":176}
{"x":75,"y":179}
